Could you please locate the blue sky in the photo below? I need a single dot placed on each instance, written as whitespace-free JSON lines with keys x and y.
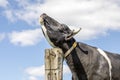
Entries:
{"x":22,"y":43}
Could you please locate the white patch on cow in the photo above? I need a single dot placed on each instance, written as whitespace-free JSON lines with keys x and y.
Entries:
{"x":46,"y":36}
{"x":108,"y":60}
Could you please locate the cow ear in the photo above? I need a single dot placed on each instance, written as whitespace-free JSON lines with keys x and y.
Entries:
{"x":73,"y":33}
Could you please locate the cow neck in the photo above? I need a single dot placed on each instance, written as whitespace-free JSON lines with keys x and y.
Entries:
{"x":71,"y":49}
{"x":74,"y":62}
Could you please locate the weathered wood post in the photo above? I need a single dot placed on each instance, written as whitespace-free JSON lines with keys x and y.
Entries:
{"x":53,"y":64}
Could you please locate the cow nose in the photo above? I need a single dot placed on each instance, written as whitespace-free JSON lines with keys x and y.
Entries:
{"x":43,"y":15}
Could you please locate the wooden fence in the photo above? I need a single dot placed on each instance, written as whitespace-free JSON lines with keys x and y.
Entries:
{"x":53,"y":64}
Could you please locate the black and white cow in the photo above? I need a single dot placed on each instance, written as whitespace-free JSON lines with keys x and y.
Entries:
{"x":85,"y":62}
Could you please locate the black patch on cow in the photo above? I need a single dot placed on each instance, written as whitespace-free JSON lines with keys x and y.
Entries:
{"x":79,"y":67}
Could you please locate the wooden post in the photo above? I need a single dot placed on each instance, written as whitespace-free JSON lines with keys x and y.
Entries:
{"x":53,"y":64}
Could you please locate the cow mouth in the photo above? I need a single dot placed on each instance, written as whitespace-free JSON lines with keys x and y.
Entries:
{"x":49,"y":22}
{"x":44,"y":21}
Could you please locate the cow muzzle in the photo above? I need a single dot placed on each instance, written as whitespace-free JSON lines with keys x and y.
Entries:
{"x":41,"y":19}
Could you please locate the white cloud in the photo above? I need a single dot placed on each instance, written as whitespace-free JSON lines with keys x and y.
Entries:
{"x":40,"y":71}
{"x":35,"y":72}
{"x":94,"y":16}
{"x":25,"y":37}
{"x":2,"y":36}
{"x":32,"y":78}
{"x":28,"y":12}
{"x":9,"y":15}
{"x":3,"y":3}
{"x":66,"y":70}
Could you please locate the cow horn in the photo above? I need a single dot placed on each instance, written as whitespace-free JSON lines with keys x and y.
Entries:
{"x":69,"y":36}
{"x":75,"y":32}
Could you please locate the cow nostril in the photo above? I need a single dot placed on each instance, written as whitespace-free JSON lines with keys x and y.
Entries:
{"x":44,"y":14}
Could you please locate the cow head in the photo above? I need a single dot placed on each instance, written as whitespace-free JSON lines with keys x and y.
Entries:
{"x":57,"y":34}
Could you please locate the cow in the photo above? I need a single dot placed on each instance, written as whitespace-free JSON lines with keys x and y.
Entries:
{"x":85,"y":62}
